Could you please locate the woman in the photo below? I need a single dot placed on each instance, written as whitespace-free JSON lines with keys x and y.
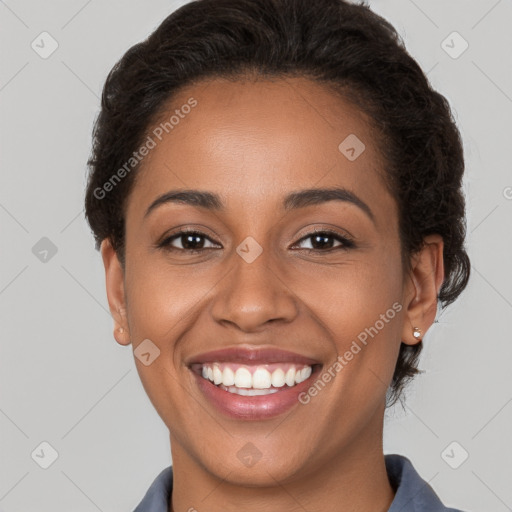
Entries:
{"x":276,"y":192}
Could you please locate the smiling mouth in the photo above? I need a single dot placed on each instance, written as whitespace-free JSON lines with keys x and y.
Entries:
{"x":256,"y":379}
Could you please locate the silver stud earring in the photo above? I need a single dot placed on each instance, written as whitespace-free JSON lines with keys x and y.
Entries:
{"x":416,"y":333}
{"x":121,"y":330}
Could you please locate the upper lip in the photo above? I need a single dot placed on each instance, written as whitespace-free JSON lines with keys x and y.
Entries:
{"x":252,"y":355}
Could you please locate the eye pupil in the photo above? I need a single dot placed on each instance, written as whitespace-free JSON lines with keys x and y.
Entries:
{"x":193,"y":239}
{"x":322,"y":239}
{"x":194,"y":242}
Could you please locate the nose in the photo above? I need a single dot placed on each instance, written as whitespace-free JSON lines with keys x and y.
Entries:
{"x":254,"y":294}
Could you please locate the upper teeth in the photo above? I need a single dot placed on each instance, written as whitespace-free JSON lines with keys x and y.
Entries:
{"x":256,"y":377}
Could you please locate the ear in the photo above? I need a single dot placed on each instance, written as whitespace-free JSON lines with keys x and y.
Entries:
{"x":114,"y":279}
{"x":422,"y":288}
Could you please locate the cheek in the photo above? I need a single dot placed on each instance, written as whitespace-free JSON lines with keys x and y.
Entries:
{"x":161,"y":299}
{"x":360,"y":304}
{"x":356,"y":293}
{"x":161,"y":306}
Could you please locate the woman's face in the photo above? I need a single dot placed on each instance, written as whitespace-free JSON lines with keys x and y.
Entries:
{"x":261,"y":281}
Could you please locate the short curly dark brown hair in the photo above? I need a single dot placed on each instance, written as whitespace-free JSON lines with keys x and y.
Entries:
{"x":344,"y":46}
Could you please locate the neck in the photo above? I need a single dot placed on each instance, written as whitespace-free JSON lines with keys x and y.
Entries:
{"x":352,"y":478}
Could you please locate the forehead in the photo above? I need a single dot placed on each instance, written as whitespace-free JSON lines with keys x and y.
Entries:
{"x":252,"y":140}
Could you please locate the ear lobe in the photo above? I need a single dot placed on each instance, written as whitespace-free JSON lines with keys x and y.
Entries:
{"x":422,"y":289}
{"x":114,"y":280}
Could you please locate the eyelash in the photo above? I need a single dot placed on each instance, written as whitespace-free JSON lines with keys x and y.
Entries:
{"x":346,"y":242}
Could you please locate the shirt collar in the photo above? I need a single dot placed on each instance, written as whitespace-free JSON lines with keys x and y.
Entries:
{"x":413,"y":494}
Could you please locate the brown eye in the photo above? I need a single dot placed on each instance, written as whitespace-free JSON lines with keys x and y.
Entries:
{"x":188,"y":241}
{"x":324,"y":241}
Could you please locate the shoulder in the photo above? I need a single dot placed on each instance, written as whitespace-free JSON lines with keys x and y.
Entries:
{"x":412,"y":492}
{"x":157,"y":496}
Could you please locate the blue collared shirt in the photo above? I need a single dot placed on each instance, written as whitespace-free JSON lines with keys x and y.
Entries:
{"x":413,"y":494}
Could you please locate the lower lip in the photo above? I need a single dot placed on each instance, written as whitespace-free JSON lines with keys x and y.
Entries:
{"x":253,"y":407}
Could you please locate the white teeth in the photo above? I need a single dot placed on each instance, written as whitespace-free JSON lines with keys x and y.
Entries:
{"x":261,"y":379}
{"x":243,"y":378}
{"x":255,"y":378}
{"x":248,"y":392}
{"x":302,"y":375}
{"x":290,"y":377}
{"x":217,"y":375}
{"x":278,"y":378}
{"x":228,"y":376}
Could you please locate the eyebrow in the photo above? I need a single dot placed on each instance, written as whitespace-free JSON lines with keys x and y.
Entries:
{"x":294,"y":200}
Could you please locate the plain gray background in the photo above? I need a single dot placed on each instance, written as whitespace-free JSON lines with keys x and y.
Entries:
{"x":63,"y":378}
